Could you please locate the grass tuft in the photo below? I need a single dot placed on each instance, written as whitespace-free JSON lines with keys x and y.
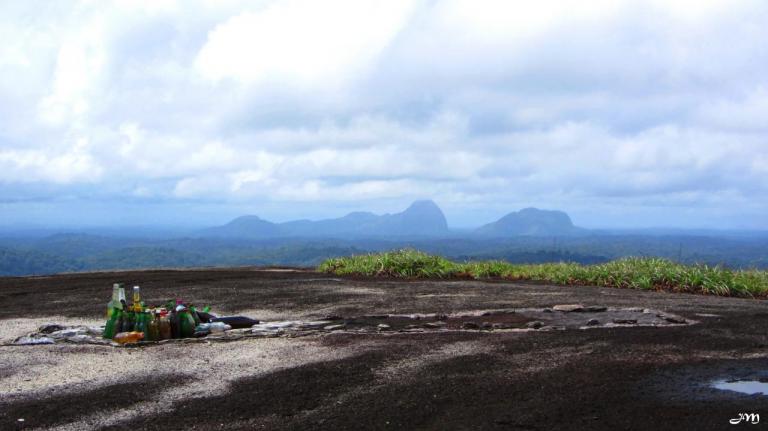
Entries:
{"x":632,"y":273}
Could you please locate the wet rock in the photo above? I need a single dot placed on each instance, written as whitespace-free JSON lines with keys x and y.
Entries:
{"x":470,"y":325}
{"x":625,"y":321}
{"x":594,"y":309}
{"x":334,"y":327}
{"x":593,"y":322}
{"x":536,"y":324}
{"x":568,"y":308}
{"x":383,"y":327}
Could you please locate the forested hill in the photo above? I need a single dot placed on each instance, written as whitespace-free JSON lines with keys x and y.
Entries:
{"x":79,"y":252}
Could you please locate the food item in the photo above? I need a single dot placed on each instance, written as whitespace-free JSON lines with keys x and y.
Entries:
{"x":129,"y":337}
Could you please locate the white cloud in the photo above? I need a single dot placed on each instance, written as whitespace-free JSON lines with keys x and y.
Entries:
{"x":502,"y":104}
{"x":76,"y":164}
{"x":302,"y":42}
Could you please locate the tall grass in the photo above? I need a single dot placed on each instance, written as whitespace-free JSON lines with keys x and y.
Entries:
{"x":633,"y":273}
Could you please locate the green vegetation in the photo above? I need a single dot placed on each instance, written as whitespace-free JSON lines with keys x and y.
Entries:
{"x":86,"y":252}
{"x":635,"y":273}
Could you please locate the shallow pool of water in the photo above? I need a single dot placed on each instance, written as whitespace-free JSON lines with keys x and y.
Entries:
{"x":750,"y":387}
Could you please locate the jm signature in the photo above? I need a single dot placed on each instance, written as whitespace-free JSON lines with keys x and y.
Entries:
{"x":752,"y":418}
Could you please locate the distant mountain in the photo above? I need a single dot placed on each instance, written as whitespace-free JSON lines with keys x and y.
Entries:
{"x":422,"y":219}
{"x":249,"y":226}
{"x":530,"y":222}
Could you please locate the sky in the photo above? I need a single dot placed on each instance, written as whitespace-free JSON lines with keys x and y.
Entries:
{"x":190,"y":113}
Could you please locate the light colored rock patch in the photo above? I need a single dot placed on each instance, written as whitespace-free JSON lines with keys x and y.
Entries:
{"x":10,"y":329}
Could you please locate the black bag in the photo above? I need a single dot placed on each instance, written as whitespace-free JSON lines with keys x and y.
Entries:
{"x":236,"y":321}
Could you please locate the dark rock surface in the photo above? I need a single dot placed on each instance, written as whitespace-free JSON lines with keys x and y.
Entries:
{"x":622,"y":377}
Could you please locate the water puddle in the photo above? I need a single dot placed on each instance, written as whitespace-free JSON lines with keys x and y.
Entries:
{"x":749,"y":387}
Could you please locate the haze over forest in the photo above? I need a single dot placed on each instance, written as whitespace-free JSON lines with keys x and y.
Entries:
{"x":529,"y":235}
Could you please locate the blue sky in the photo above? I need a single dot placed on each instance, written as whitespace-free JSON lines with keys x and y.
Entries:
{"x":624,"y":114}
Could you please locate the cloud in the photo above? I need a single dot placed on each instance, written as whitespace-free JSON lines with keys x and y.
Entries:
{"x":619,"y":108}
{"x":74,"y":165}
{"x":301,"y":43}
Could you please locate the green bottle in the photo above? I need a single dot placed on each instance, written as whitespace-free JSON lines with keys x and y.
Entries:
{"x":193,"y":312}
{"x":117,"y":294}
{"x":186,"y":324}
{"x":109,"y":328}
{"x":127,"y":325}
{"x":141,"y":323}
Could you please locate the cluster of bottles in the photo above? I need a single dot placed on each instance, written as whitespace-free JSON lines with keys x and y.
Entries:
{"x":136,"y":322}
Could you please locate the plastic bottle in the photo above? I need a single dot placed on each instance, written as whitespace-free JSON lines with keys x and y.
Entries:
{"x":165,"y":327}
{"x":129,"y":337}
{"x":153,"y":328}
{"x":219,"y":327}
{"x":202,"y":329}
